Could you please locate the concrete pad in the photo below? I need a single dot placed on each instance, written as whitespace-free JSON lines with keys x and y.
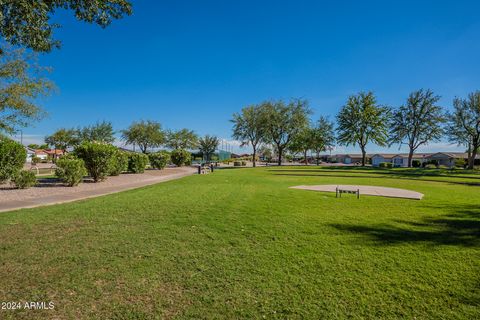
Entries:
{"x":366,"y":190}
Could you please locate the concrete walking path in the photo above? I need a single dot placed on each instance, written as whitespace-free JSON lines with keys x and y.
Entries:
{"x":367,"y":190}
{"x":55,"y":193}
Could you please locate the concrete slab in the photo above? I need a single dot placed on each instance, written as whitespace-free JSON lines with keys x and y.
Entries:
{"x":366,"y":190}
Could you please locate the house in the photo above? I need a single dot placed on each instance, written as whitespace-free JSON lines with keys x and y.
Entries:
{"x":55,"y":153}
{"x":381,"y":157}
{"x":41,"y":154}
{"x":30,"y":154}
{"x":447,"y":158}
{"x":347,"y":158}
{"x":398,"y":159}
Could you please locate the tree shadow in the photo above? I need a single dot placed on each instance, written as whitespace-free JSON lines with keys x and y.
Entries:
{"x":460,"y":227}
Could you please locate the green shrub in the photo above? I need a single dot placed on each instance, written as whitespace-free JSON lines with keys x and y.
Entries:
{"x":118,"y":162}
{"x":71,"y":170}
{"x":430,"y":166}
{"x":385,"y":165}
{"x":416,"y":163}
{"x":181,"y":157}
{"x":137,"y":162}
{"x":237,"y":163}
{"x":12,"y":158}
{"x":244,"y":163}
{"x":24,"y":179}
{"x":460,"y":163}
{"x":35,"y":160}
{"x":443,"y":167}
{"x":159,"y":160}
{"x":97,"y":158}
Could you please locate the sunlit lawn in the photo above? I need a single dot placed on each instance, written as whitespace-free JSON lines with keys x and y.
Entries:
{"x":239,"y":243}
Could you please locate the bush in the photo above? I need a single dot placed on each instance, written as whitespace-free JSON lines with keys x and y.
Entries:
{"x":159,"y":160}
{"x":12,"y":157}
{"x":460,"y":163}
{"x":237,"y":163}
{"x":24,"y":179}
{"x":97,"y":158}
{"x":416,"y":163}
{"x":244,"y":163}
{"x":137,"y":162}
{"x":71,"y":170}
{"x":180,"y":157}
{"x":430,"y":166}
{"x":118,"y":163}
{"x":35,"y":160}
{"x":385,"y":165}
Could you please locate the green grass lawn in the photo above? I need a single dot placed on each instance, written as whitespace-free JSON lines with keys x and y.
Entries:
{"x":240,"y":244}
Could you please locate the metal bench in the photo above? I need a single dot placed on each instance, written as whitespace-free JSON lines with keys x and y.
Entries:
{"x":339,"y":191}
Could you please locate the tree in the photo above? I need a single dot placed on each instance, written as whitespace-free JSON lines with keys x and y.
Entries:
{"x":362,"y":121}
{"x":182,"y":139}
{"x":464,"y":125}
{"x":63,"y":139}
{"x":99,"y":132}
{"x":27,"y":23}
{"x":323,"y":136}
{"x":38,"y":146}
{"x":145,"y":134}
{"x":12,"y":158}
{"x":22,"y":83}
{"x":266,"y":153}
{"x":283,"y":122}
{"x":207,"y":146}
{"x":302,"y":142}
{"x":418,"y":122}
{"x":249,"y":127}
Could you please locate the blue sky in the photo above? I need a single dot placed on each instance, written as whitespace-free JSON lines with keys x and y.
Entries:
{"x":193,"y":63}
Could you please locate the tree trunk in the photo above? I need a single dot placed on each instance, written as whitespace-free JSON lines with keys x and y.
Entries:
{"x":364,"y":156}
{"x":318,"y":158}
{"x":305,"y":157}
{"x":254,"y":156}
{"x":279,"y":155}
{"x":471,"y":161}
{"x":410,"y":157}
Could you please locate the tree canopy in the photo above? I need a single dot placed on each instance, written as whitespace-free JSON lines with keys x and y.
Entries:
{"x":99,"y":132}
{"x":284,"y":121}
{"x":63,"y":139}
{"x":464,"y":125}
{"x":361,"y":121}
{"x":22,"y":83}
{"x":145,"y":134}
{"x":249,"y":127}
{"x":323,"y":136}
{"x":417,"y":122}
{"x":207,"y":146}
{"x":182,"y":139}
{"x":27,"y":23}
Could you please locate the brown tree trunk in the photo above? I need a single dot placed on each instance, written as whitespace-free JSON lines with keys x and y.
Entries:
{"x":305,"y":157}
{"x":410,"y":156}
{"x":279,"y":156}
{"x":254,"y":157}
{"x":364,"y":156}
{"x":471,"y":161}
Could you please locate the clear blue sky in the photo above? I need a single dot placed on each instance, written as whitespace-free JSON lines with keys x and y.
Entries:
{"x":193,"y":63}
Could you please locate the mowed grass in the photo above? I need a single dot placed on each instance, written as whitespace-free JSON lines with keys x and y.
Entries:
{"x":241,"y":244}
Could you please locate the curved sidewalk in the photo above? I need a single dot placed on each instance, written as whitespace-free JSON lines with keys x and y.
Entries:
{"x":55,"y":193}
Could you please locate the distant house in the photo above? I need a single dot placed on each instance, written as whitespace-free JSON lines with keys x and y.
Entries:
{"x":447,"y":158}
{"x":347,"y":158}
{"x":30,"y":154}
{"x":398,"y":159}
{"x":381,"y":157}
{"x":41,"y":154}
{"x":55,"y":153}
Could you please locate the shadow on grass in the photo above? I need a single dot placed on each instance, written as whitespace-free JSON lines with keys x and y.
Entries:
{"x":461,"y":227}
{"x":465,"y":183}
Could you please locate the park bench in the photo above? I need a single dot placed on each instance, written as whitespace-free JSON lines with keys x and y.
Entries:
{"x":339,"y":191}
